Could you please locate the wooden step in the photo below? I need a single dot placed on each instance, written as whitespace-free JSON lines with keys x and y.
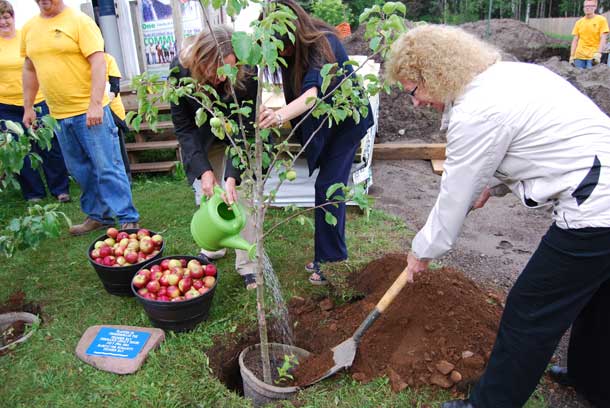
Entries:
{"x":162,"y":125}
{"x":143,"y":146}
{"x":409,"y":151}
{"x":154,"y":167}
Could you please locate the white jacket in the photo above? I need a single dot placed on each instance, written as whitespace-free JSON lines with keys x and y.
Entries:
{"x":524,"y":126}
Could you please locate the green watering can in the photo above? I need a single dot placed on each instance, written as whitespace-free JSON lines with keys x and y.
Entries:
{"x":214,"y":226}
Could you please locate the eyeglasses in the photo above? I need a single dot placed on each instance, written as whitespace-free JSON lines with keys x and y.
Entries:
{"x":412,"y":92}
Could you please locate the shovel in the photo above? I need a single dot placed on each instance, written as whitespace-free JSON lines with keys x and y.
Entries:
{"x":344,"y":353}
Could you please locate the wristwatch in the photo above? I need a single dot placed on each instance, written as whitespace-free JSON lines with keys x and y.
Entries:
{"x":280,"y":120}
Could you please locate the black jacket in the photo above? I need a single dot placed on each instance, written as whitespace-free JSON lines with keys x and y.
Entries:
{"x":195,"y":142}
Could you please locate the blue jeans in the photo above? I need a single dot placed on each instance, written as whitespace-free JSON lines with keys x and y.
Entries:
{"x":93,"y":157}
{"x":583,"y":64}
{"x":53,"y":167}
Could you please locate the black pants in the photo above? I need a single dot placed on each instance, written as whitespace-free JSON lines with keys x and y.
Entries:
{"x":123,"y":129}
{"x":567,"y":281}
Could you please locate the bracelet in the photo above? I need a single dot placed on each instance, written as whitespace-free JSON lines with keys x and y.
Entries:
{"x":280,"y":121}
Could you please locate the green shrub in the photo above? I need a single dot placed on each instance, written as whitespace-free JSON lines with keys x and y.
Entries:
{"x":358,"y":6}
{"x":333,"y":12}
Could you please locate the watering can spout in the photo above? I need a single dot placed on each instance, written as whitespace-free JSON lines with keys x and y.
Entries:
{"x":215,"y":225}
{"x":237,"y":242}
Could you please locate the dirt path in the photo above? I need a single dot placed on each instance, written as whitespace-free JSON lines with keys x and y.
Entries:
{"x":494,"y":245}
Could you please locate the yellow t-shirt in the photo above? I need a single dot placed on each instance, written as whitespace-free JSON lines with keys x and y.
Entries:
{"x":59,"y":47}
{"x":589,"y":32}
{"x":112,"y":69}
{"x":11,"y":68}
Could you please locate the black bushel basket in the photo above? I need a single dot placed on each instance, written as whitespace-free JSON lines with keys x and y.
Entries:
{"x":178,"y":316}
{"x":117,"y":280}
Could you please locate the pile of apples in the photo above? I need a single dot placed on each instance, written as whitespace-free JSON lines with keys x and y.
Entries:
{"x":175,"y":280}
{"x":124,"y":249}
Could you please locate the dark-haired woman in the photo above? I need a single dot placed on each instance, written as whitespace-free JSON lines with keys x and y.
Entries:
{"x":200,"y":59}
{"x":331,"y":150}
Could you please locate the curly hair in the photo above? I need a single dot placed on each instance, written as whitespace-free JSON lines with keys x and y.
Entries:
{"x":202,"y":57}
{"x":443,"y":59}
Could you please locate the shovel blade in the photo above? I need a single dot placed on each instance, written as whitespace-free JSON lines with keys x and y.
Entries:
{"x":343,"y":356}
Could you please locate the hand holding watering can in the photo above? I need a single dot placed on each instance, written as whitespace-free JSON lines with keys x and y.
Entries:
{"x":216,"y":225}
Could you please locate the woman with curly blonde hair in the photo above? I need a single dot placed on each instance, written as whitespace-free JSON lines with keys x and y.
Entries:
{"x":516,"y":127}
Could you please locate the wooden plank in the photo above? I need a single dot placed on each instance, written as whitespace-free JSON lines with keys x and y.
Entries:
{"x":437,"y":166}
{"x":409,"y":151}
{"x":139,"y":147}
{"x":162,"y":125}
{"x":130,"y":101}
{"x":154,"y":167}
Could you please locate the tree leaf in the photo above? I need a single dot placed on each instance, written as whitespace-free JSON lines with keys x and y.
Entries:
{"x":330,"y":219}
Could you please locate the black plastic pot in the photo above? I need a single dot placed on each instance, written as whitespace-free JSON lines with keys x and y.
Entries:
{"x":117,"y":280}
{"x":177,"y":316}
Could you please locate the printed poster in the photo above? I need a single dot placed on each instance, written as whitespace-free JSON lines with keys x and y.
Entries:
{"x":158,"y":31}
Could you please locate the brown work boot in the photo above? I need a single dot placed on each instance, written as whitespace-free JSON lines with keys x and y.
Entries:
{"x":130,"y":225}
{"x":87,"y":226}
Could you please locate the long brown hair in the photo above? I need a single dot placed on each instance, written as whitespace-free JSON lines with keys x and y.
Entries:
{"x":311,"y":47}
{"x":202,"y":57}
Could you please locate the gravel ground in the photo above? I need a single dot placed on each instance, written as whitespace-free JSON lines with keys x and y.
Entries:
{"x":494,"y":245}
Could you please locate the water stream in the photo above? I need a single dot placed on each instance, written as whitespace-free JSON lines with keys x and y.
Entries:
{"x":278,"y":310}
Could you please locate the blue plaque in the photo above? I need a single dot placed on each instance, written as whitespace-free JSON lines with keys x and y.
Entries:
{"x":112,"y":342}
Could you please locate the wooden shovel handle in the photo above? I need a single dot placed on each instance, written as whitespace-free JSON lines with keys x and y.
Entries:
{"x":391,"y":293}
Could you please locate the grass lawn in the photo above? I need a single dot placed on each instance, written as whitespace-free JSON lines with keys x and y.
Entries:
{"x":44,"y":371}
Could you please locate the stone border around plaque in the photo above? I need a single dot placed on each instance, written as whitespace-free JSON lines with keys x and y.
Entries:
{"x":118,"y":349}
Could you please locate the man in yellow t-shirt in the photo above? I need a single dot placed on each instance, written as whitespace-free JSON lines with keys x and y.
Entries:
{"x":64,"y":55}
{"x":113,"y":77}
{"x":590,"y":34}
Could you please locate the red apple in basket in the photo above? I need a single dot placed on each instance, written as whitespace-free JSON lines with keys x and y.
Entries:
{"x":163,"y":299}
{"x":156,"y":276}
{"x":157,"y":240}
{"x":142,"y":291}
{"x":99,"y":261}
{"x":121,"y":236}
{"x":164,"y":281}
{"x":143,"y":232}
{"x":196,"y":271}
{"x":192,"y":293}
{"x":109,"y":260}
{"x":155,"y":268}
{"x":145,"y":272}
{"x":112,"y":232}
{"x":198,"y":284}
{"x":131,"y":257}
{"x":173,"y":292}
{"x":174,"y":263}
{"x":203,"y":290}
{"x":99,"y":244}
{"x":153,"y":286}
{"x":209,"y":281}
{"x":162,"y":291}
{"x":210,"y":270}
{"x":165,"y":264}
{"x":105,"y":251}
{"x":140,"y":281}
{"x":95,"y":253}
{"x":185,"y":284}
{"x":173,"y":279}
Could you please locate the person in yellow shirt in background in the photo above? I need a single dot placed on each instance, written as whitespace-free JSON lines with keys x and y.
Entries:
{"x":64,"y":52}
{"x":590,"y":35}
{"x":113,"y":77}
{"x":11,"y":108}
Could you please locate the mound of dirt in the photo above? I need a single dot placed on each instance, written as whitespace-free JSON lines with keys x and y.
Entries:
{"x":438,"y":331}
{"x":595,"y":82}
{"x":514,"y":37}
{"x":397,"y":118}
{"x":439,"y":327}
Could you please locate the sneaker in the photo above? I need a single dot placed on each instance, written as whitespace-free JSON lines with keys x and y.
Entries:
{"x":34,"y":200}
{"x":312,"y":267}
{"x":130,"y":225}
{"x":213,"y":254}
{"x":87,"y":226}
{"x":63,"y":198}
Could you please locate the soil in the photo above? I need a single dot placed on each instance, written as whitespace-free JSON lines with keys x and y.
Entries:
{"x":253,"y":361}
{"x":441,"y":321}
{"x":517,"y":41}
{"x":16,"y":303}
